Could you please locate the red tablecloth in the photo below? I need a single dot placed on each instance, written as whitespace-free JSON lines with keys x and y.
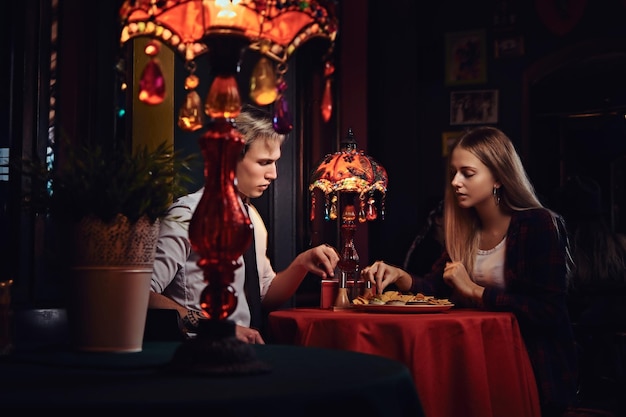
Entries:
{"x":465,"y":363}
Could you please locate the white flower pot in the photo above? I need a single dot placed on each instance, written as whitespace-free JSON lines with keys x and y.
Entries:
{"x":109,"y":283}
{"x":108,"y":308}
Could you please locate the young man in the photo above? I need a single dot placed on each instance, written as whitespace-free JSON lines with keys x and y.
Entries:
{"x":177,"y":280}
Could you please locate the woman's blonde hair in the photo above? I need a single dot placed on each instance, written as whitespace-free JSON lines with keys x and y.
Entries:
{"x":496,"y":151}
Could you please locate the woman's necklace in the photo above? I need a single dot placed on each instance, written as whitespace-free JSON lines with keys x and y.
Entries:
{"x":490,"y":241}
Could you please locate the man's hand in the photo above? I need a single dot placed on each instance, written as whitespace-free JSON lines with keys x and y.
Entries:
{"x":192,"y":320}
{"x":248,"y":335}
{"x":320,"y":260}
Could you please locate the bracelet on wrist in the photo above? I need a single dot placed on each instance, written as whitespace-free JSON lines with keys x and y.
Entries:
{"x":191,"y":320}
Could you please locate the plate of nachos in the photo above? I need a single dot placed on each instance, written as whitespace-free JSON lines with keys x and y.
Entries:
{"x":397,"y":302}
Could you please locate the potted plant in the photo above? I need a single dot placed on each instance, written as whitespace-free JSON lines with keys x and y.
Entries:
{"x":110,"y":200}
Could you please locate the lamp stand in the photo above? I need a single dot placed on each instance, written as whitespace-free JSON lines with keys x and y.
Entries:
{"x":216,"y":351}
{"x":349,"y":260}
{"x":219,"y":231}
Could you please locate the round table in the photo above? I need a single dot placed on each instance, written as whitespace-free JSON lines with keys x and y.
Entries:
{"x":300,"y":381}
{"x":464,"y":362}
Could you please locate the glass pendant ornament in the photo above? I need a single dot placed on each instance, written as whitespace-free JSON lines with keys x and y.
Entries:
{"x":263,"y":83}
{"x":327,"y":207}
{"x":327,"y":97}
{"x":312,"y":212}
{"x":333,"y":208}
{"x":152,"y":81}
{"x":327,"y":101}
{"x":362,"y":216}
{"x":372,"y":212}
{"x":191,"y":114}
{"x":223,"y":99}
{"x":282,"y":121}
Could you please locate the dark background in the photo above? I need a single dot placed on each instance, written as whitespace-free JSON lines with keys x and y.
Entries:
{"x":562,"y":97}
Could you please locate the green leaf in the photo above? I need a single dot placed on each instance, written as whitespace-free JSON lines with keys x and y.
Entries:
{"x":105,"y":181}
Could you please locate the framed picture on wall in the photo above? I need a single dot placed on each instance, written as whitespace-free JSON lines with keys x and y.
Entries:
{"x":447,"y":140}
{"x":508,"y":47}
{"x":466,"y":58}
{"x":474,"y":107}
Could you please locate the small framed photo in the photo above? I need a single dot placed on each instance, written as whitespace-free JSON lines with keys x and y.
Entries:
{"x":447,"y":140}
{"x":466,"y":58}
{"x":508,"y":47}
{"x":474,"y":107}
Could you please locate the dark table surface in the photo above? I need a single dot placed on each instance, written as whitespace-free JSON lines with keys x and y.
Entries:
{"x":300,"y":381}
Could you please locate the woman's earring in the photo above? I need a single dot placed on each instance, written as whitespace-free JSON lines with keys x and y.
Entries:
{"x":496,"y":195}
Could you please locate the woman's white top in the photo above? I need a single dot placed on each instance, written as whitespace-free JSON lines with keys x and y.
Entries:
{"x":489,"y":266}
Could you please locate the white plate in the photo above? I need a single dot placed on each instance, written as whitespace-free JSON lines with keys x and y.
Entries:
{"x":414,"y":308}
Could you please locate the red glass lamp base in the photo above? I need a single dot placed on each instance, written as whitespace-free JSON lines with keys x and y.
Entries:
{"x":216,"y":351}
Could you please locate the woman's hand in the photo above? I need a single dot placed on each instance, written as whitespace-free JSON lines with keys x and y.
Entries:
{"x":382,"y":274}
{"x":248,"y":335}
{"x":455,"y":275}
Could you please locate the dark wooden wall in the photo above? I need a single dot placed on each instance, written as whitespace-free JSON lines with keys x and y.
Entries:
{"x":391,"y":88}
{"x":571,"y":64}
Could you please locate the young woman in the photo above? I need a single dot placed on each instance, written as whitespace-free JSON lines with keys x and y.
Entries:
{"x":504,"y":252}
